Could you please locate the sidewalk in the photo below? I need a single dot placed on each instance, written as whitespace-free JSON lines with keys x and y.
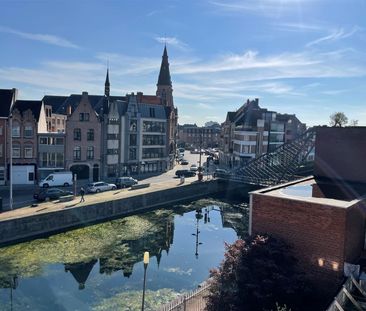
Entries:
{"x":50,"y":207}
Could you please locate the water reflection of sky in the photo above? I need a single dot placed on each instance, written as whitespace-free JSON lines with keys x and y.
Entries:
{"x":179,"y":268}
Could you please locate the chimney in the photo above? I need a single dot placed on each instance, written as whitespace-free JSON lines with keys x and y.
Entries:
{"x":139,"y":97}
{"x":68,"y":110}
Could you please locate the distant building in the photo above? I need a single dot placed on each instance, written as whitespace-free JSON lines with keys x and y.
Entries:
{"x":193,"y":136}
{"x":7,"y":99}
{"x":252,"y":131}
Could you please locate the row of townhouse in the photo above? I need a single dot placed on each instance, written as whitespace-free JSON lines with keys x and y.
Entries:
{"x":94,"y":136}
{"x":193,"y":136}
{"x":252,"y":131}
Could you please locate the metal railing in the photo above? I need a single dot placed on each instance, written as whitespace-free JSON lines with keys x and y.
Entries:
{"x":281,"y":165}
{"x":192,"y":301}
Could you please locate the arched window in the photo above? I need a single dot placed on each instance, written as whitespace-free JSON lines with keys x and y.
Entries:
{"x":77,"y":153}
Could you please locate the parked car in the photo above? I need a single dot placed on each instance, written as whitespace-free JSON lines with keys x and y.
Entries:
{"x":185,"y":173}
{"x":193,"y":168}
{"x":124,"y":182}
{"x":57,"y":179}
{"x":220,"y":171}
{"x":100,"y":186}
{"x":184,"y":162}
{"x":50,"y":194}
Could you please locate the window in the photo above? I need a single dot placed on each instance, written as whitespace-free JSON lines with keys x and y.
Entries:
{"x":43,"y":141}
{"x":83,"y":116}
{"x":152,"y":112}
{"x":1,"y":150}
{"x":58,"y":121}
{"x":112,"y":136}
{"x":112,"y":151}
{"x":90,"y":134}
{"x":152,"y":153}
{"x":77,"y":134}
{"x":59,"y":141}
{"x":28,"y":152}
{"x":16,"y":151}
{"x":1,"y":130}
{"x":77,"y":153}
{"x":133,"y":139}
{"x":153,"y":140}
{"x":132,"y":154}
{"x":90,"y":153}
{"x":16,"y":130}
{"x":28,"y":131}
{"x":154,"y":126}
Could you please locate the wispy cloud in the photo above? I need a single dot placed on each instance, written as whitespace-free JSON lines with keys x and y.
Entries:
{"x":298,"y":27}
{"x":335,"y":35}
{"x":173,"y":41}
{"x":264,"y":7}
{"x":45,"y":38}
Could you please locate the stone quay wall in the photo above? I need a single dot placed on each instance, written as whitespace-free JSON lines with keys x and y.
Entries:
{"x":47,"y":223}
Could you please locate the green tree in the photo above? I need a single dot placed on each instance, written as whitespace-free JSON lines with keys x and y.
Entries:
{"x":338,"y":119}
{"x":255,"y":274}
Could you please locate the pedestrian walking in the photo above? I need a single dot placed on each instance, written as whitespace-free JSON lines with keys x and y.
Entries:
{"x":82,"y":192}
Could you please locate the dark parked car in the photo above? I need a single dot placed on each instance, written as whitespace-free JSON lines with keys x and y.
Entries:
{"x":221,"y":172}
{"x":184,"y":162}
{"x":50,"y":194}
{"x":185,"y":173}
{"x":124,"y":182}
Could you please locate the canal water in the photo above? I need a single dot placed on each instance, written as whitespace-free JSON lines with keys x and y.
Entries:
{"x":100,"y":267}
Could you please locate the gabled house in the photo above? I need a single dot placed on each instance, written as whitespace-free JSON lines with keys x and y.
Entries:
{"x":83,"y":137}
{"x":28,"y":120}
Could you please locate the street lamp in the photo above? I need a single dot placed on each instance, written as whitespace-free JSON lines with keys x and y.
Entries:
{"x":146,"y":262}
{"x":11,"y":160}
{"x":198,"y":217}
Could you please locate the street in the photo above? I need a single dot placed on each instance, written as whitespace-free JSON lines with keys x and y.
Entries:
{"x":23,"y":194}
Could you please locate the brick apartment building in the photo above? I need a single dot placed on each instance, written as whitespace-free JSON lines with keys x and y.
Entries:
{"x":193,"y":136}
{"x":252,"y":131}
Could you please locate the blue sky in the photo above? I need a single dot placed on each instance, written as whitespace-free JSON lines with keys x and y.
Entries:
{"x":306,"y":57}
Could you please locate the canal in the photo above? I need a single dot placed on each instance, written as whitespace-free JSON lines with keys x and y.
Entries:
{"x":100,"y":267}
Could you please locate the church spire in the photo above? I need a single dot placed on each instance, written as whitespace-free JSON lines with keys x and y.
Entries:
{"x":164,"y":74}
{"x":107,"y":85}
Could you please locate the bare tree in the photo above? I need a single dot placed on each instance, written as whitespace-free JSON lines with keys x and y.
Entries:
{"x":353,"y":123}
{"x":338,"y":119}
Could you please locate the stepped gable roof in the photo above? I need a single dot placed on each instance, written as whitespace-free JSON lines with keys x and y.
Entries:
{"x":34,"y":105}
{"x":6,"y":97}
{"x":54,"y":101}
{"x":122,"y":107}
{"x":152,"y":111}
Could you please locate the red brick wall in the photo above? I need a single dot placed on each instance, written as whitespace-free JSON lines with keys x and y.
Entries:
{"x":316,"y":232}
{"x":355,"y":233}
{"x":340,"y":153}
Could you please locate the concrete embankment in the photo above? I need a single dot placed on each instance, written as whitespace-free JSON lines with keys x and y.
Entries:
{"x":43,"y":222}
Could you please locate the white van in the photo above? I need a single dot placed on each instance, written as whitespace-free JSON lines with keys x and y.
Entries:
{"x":57,"y":179}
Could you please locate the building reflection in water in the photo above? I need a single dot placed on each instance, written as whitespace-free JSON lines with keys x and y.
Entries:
{"x":80,"y":271}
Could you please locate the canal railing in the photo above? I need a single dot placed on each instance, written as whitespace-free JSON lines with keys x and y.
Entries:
{"x":192,"y":301}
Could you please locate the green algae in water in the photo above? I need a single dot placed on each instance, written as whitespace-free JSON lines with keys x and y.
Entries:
{"x":131,"y":301}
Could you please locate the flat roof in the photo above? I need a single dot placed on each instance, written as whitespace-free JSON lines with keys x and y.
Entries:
{"x":336,"y":193}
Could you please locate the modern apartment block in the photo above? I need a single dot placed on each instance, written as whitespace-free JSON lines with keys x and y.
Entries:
{"x":136,"y":136}
{"x":252,"y":131}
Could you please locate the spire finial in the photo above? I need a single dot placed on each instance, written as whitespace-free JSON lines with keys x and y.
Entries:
{"x":107,"y":85}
